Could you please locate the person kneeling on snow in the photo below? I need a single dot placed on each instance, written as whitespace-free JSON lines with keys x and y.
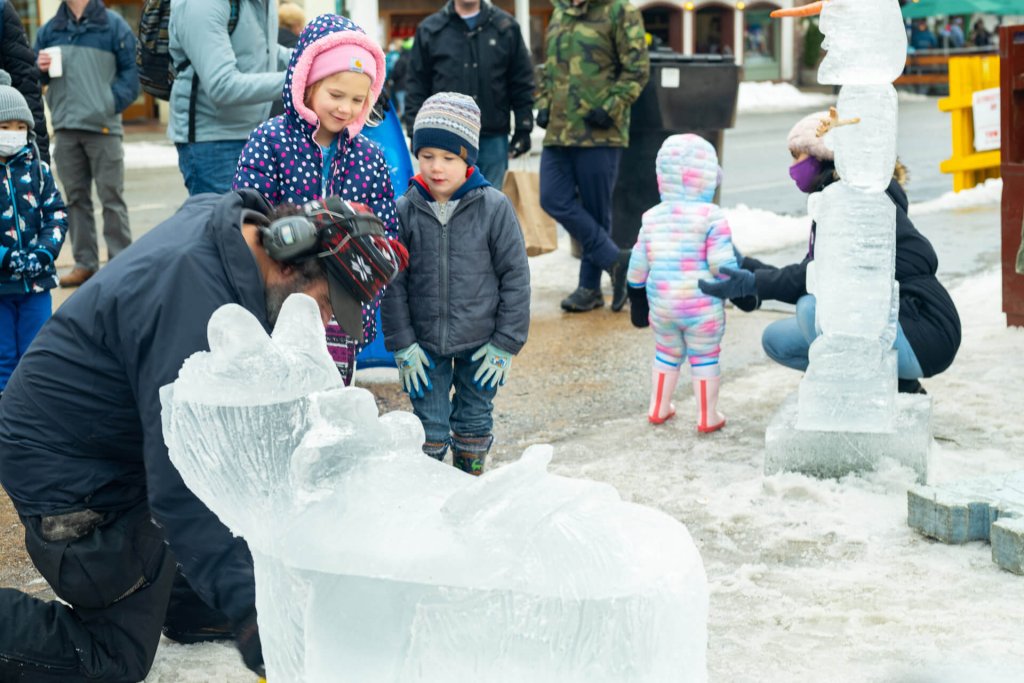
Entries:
{"x":928,"y":331}
{"x":109,"y":523}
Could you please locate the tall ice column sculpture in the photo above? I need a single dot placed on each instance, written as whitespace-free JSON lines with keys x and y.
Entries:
{"x":847,"y":414}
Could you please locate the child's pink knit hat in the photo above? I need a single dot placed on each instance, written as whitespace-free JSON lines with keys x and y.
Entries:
{"x":343,"y":57}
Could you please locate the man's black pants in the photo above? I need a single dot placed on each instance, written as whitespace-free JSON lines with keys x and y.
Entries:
{"x":116,"y":573}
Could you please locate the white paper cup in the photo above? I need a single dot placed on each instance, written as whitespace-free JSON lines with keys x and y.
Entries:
{"x":56,"y":63}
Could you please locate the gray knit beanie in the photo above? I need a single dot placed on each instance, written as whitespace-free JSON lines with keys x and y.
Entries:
{"x":13,"y":106}
{"x":449,"y":121}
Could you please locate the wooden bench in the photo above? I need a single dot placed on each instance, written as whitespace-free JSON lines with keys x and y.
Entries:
{"x":931,"y":67}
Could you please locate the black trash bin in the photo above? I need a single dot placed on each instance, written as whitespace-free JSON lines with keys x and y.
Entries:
{"x":685,"y":94}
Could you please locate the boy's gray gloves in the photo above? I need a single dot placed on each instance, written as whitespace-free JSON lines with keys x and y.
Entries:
{"x":412,"y":364}
{"x":494,"y":369}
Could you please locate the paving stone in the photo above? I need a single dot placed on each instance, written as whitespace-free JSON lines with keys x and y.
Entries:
{"x":984,"y":509}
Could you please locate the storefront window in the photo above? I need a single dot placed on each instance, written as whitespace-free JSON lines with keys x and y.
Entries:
{"x":28,"y":10}
{"x":760,"y":46}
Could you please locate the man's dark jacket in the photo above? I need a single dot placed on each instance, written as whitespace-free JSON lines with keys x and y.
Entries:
{"x":18,"y":59}
{"x":80,"y":419}
{"x":927,"y":314}
{"x":490,"y":63}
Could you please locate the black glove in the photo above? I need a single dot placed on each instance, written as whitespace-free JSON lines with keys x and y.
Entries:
{"x":520,"y":143}
{"x":639,"y":307}
{"x":542,"y":118}
{"x":247,"y":640}
{"x":741,"y":283}
{"x":598,"y":118}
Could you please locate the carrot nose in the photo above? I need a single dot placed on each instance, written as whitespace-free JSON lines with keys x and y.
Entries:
{"x":810,"y":10}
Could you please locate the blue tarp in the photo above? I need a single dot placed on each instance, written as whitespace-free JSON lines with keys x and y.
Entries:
{"x":391,"y":138}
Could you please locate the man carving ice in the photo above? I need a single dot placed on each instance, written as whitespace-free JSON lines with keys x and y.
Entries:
{"x":82,"y":455}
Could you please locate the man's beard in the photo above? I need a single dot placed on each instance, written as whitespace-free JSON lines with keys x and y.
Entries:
{"x":276,"y":294}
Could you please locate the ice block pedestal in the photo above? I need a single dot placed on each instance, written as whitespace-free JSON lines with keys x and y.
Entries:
{"x":847,"y":416}
{"x":828,"y":454}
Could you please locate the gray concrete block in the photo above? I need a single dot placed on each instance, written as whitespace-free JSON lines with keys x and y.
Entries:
{"x":836,"y":454}
{"x":984,"y":509}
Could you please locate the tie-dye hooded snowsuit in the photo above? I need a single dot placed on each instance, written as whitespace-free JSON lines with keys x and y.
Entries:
{"x":684,"y":239}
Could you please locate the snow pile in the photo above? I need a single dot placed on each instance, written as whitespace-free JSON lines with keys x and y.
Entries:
{"x":986,"y":194}
{"x":764,"y":96}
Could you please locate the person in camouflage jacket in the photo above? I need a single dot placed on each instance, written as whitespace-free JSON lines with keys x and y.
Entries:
{"x":596,"y":67}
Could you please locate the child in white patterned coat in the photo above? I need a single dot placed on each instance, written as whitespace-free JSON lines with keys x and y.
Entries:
{"x":683,"y":239}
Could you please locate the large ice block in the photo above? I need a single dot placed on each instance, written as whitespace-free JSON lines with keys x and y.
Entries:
{"x":865,"y":40}
{"x":866,"y":151}
{"x":827,"y":454}
{"x":850,"y":385}
{"x":855,"y":260}
{"x":377,"y":563}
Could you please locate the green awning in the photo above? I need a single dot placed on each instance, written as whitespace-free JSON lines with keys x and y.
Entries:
{"x":932,"y":8}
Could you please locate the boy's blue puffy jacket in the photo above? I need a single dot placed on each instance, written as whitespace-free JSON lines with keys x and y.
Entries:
{"x":100,"y":78}
{"x":32,"y":219}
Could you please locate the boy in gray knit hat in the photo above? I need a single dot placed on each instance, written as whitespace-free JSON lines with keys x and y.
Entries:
{"x":456,"y":316}
{"x":32,"y":228}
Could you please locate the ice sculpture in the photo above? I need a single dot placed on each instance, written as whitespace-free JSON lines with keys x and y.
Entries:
{"x":848,"y":413}
{"x":376,"y":563}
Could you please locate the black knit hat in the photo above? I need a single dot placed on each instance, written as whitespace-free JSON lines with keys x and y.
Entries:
{"x":13,"y":106}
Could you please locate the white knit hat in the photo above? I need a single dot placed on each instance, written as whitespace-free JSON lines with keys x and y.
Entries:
{"x":804,"y":137}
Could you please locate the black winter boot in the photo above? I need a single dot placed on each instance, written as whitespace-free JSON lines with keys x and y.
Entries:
{"x":618,"y":273}
{"x":436,"y":450}
{"x":469,"y":453}
{"x":909,"y":386}
{"x":583,"y":300}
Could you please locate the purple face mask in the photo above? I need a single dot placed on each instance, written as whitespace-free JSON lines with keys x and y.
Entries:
{"x":805,"y":173}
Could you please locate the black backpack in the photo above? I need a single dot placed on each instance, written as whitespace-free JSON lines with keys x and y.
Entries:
{"x":152,"y":54}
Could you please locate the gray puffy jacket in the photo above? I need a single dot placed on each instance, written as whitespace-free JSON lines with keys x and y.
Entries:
{"x":468,"y":280}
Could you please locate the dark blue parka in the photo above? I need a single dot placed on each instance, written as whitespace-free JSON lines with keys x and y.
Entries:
{"x":80,"y":419}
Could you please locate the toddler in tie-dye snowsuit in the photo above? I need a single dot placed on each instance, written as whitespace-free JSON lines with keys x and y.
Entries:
{"x":683,"y":239}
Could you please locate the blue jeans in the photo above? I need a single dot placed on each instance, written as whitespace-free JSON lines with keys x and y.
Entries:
{"x":467,"y":413}
{"x":788,"y":341}
{"x":21,"y":317}
{"x":209,"y":166}
{"x":576,"y":186}
{"x":493,"y":158}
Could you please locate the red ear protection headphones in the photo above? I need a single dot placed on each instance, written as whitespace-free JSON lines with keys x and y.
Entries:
{"x":296,"y":237}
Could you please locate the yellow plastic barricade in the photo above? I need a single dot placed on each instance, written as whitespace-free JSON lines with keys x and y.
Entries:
{"x":968,"y":75}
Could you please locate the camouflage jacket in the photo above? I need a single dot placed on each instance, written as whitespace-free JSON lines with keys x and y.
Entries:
{"x":596,"y":58}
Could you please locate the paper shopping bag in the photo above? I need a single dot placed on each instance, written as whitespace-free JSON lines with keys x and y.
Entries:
{"x":539,"y":229}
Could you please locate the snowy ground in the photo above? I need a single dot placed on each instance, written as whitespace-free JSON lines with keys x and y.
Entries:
{"x":810,"y":580}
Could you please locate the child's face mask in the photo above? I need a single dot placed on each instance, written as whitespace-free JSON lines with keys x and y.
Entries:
{"x":805,"y":172}
{"x":11,"y":142}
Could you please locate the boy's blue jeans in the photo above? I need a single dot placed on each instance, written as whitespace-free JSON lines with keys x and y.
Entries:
{"x":788,"y":341}
{"x":21,"y":317}
{"x":209,"y":166}
{"x":467,"y":413}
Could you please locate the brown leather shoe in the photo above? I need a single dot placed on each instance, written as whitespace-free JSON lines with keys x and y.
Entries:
{"x":76,"y":277}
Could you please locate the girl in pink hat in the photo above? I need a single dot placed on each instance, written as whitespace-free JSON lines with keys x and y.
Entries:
{"x":315,"y":149}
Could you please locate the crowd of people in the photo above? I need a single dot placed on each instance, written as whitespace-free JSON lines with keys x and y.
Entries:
{"x":302,"y":202}
{"x":949,"y":33}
